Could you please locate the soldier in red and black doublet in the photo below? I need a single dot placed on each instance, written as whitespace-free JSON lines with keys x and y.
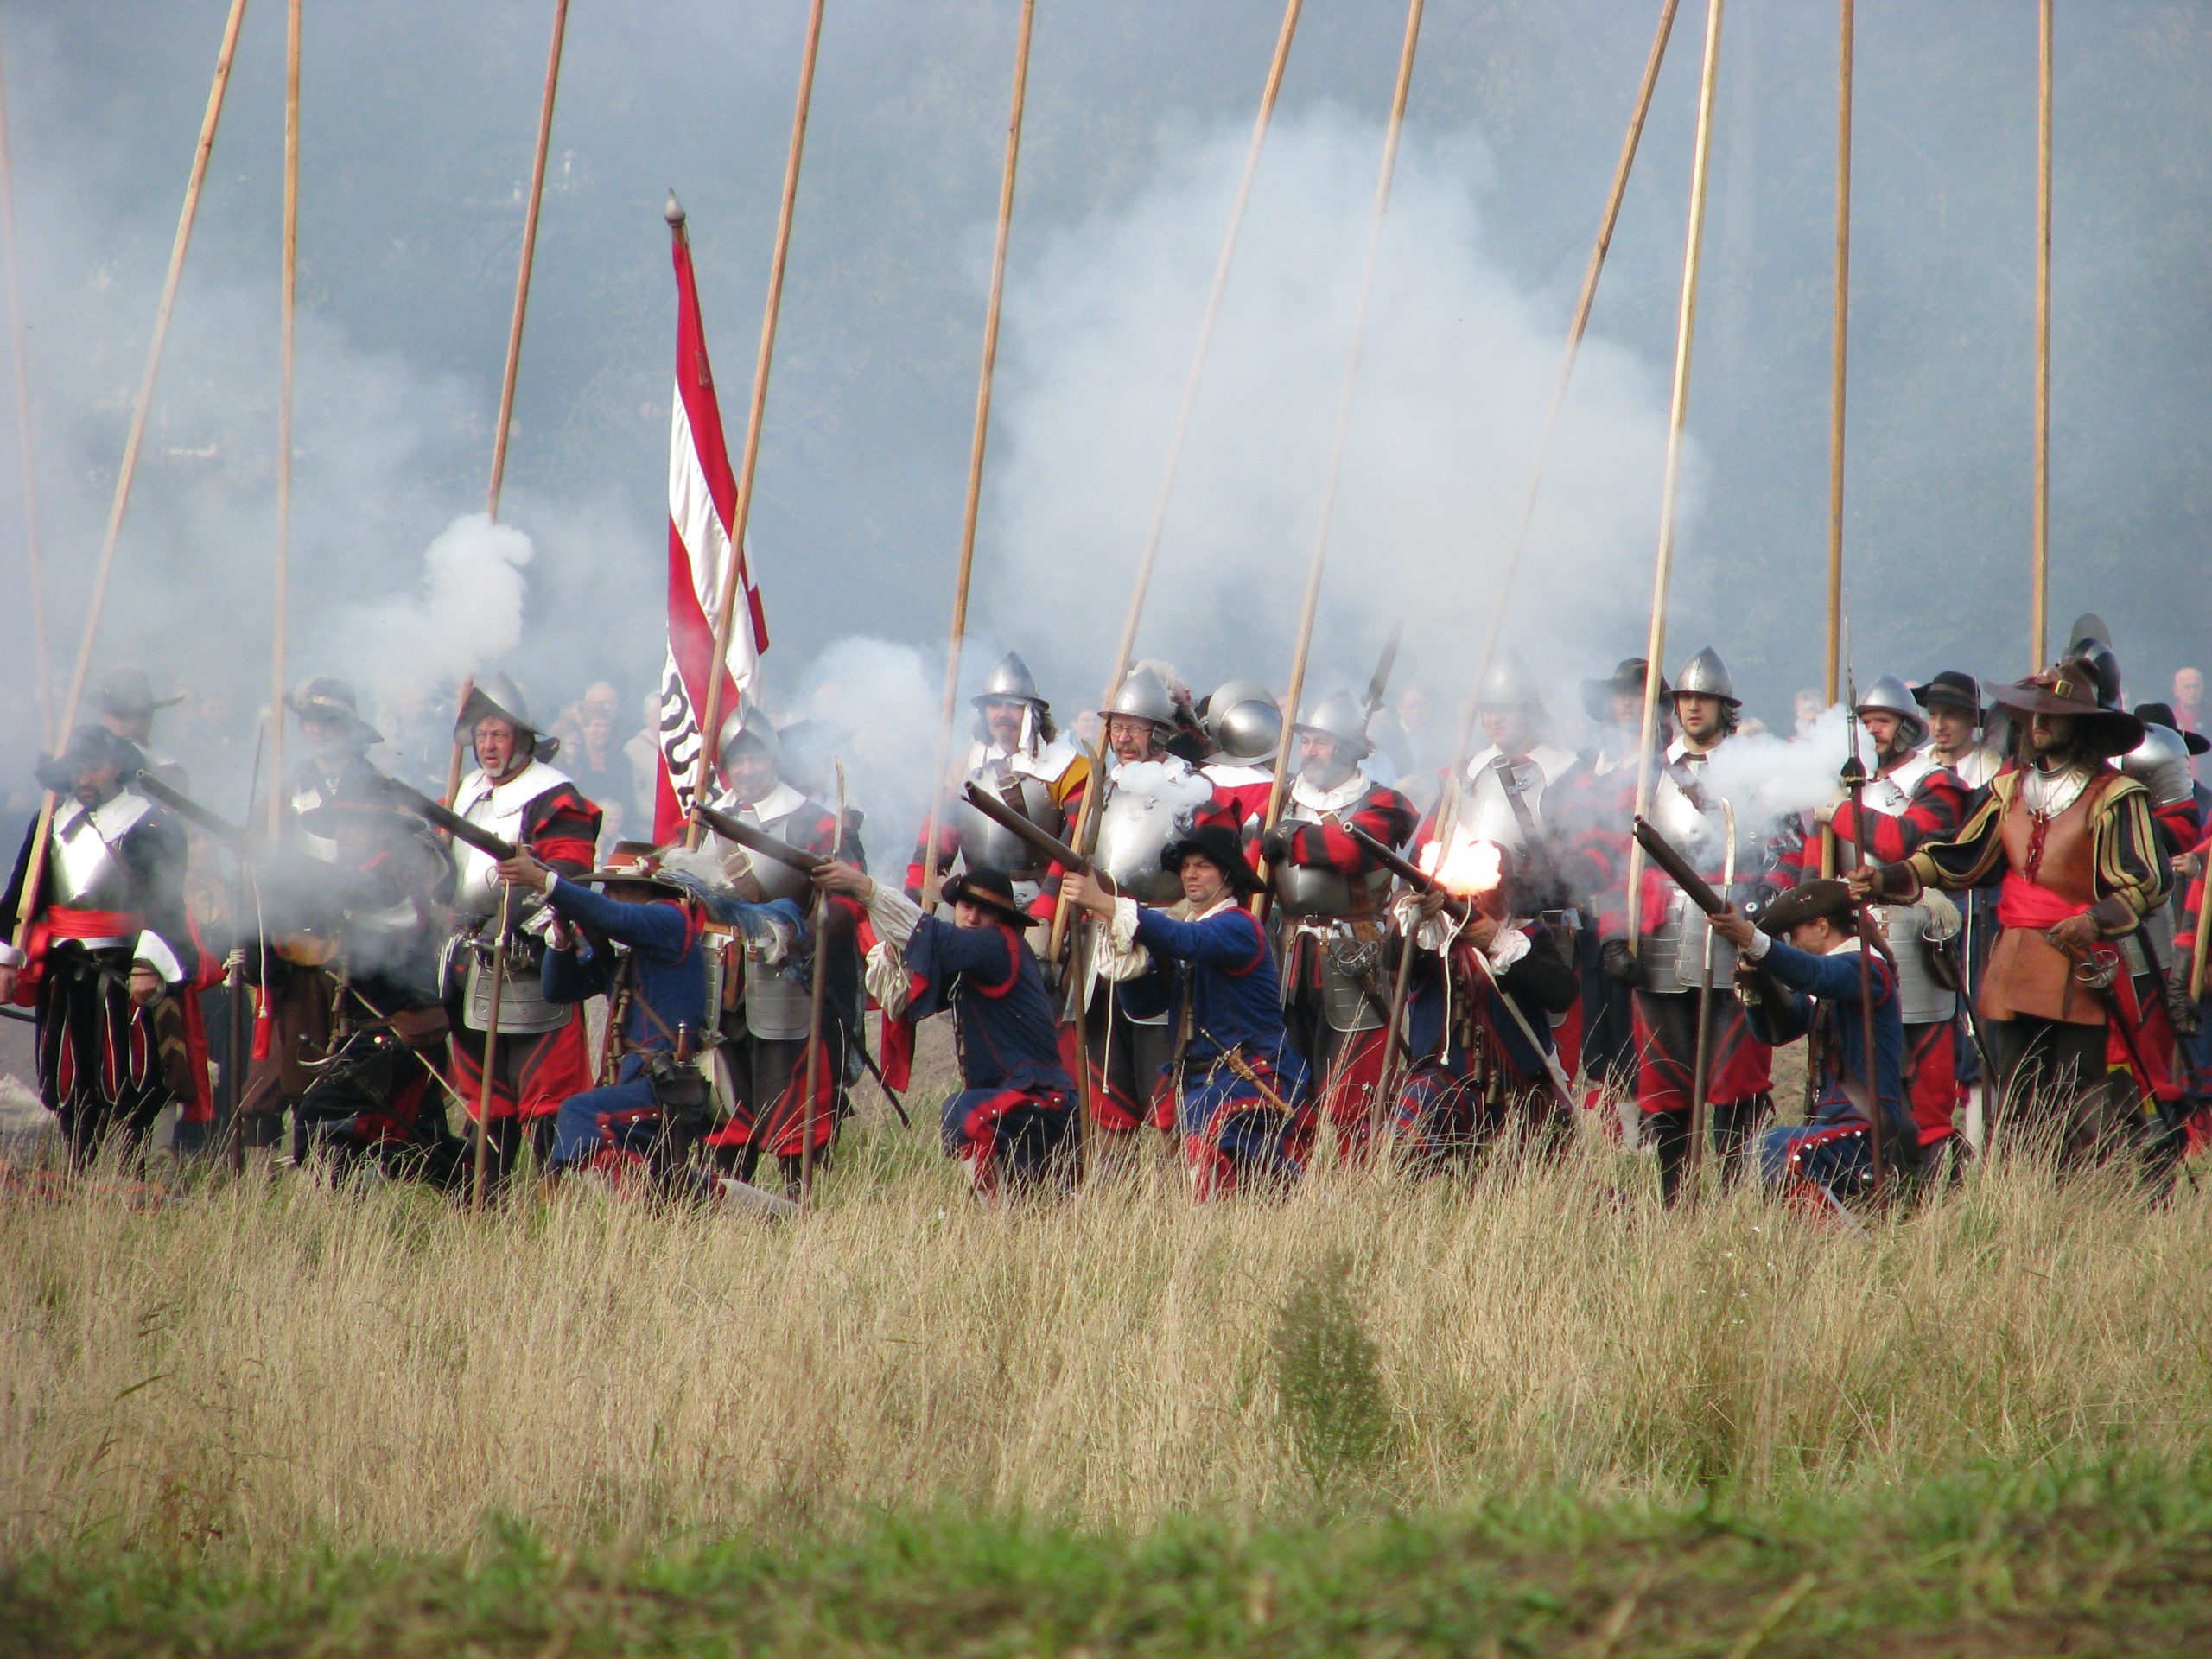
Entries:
{"x":2073,"y":841}
{"x":108,"y":952}
{"x":1330,"y":896}
{"x":542,"y":1051}
{"x":767,"y":1000}
{"x":1666,"y":971}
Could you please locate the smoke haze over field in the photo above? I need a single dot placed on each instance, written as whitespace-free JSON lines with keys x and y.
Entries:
{"x":417,"y":126}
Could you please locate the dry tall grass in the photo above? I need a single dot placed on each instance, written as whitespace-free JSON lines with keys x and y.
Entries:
{"x":265,"y":1364}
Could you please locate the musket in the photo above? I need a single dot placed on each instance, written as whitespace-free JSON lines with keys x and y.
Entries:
{"x":185,"y":807}
{"x":1461,"y":912}
{"x":1035,"y":836}
{"x":1854,"y":781}
{"x":1678,"y":869}
{"x":754,"y":839}
{"x":443,"y":817}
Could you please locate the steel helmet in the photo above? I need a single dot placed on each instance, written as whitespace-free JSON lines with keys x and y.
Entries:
{"x":2160,"y":762}
{"x":1706,"y":675}
{"x":1243,"y":722}
{"x":1010,"y":681}
{"x":1510,"y":684}
{"x":1142,"y":696}
{"x":1337,"y":716}
{"x":748,"y":723}
{"x":1891,"y":696}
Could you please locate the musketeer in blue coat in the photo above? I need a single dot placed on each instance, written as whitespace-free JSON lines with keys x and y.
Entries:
{"x":1237,"y":1085}
{"x":1010,"y":1122}
{"x":1799,"y":977}
{"x":630,"y":932}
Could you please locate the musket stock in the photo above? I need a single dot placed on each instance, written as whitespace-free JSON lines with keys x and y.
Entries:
{"x":1678,"y":869}
{"x":1038,"y":838}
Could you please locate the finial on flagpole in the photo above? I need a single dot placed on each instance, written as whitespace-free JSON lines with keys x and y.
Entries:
{"x":674,"y":212}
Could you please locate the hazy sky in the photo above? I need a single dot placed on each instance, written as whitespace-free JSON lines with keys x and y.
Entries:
{"x":417,"y":123}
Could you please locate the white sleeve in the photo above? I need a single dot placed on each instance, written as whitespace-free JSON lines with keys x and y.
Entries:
{"x":895,"y":914}
{"x":1507,"y":948}
{"x":1117,"y":956}
{"x":885,"y":972}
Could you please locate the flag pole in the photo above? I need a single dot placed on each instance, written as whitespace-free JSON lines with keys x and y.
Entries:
{"x":1576,"y":328}
{"x":2039,"y":620}
{"x":1677,"y":416}
{"x":1088,"y":818}
{"x":1303,"y":649}
{"x":33,"y":556}
{"x":36,"y":869}
{"x":976,"y":448}
{"x":514,"y":367}
{"x":288,"y":308}
{"x":732,"y":584}
{"x":1832,"y":681}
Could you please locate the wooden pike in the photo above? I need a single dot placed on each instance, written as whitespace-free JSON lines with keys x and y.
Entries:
{"x":976,"y":448}
{"x":287,"y":311}
{"x":523,"y":267}
{"x":1211,"y":315}
{"x":476,"y":1194}
{"x":816,"y":1008}
{"x":748,"y":461}
{"x":1334,"y":475}
{"x":1678,"y":414}
{"x":34,"y":556}
{"x":1576,"y":328}
{"x":1832,"y":682}
{"x":35,"y":871}
{"x":2039,"y":620}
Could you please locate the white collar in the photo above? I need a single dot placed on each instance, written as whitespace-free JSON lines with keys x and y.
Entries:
{"x":1680,"y":749}
{"x":533,"y":780}
{"x":1550,"y":758}
{"x":1353,"y":790}
{"x":778,"y":804}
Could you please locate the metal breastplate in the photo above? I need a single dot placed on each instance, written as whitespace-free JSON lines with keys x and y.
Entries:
{"x":1146,"y":806}
{"x":778,"y":1005}
{"x":307,"y":799}
{"x":1922,"y":999}
{"x":1488,"y":814}
{"x":86,"y":872}
{"x":524,"y":1010}
{"x":777,"y":878}
{"x":1673,"y":953}
{"x":983,"y":842}
{"x":476,"y":884}
{"x":1348,"y":965}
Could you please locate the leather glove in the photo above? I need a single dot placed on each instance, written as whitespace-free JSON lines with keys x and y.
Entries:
{"x":2179,"y":1004}
{"x":1622,"y":965}
{"x":1274,"y":846}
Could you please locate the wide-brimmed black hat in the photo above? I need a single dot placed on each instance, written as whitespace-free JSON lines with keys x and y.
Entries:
{"x":1218,"y":846}
{"x":1808,"y":901}
{"x":992,"y":890}
{"x":1627,"y":681}
{"x":2075,"y":690}
{"x":127,"y":691}
{"x":1950,"y":690}
{"x":630,"y":860}
{"x":90,"y":744}
{"x":324,"y":698}
{"x":2162,"y":713}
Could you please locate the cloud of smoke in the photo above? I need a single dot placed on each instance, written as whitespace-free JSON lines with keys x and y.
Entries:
{"x":1458,"y":365}
{"x":465,"y":614}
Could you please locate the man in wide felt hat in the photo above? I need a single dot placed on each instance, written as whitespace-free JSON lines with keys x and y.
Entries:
{"x":1235,"y":1083}
{"x":2070,"y":991}
{"x":1012,"y":1121}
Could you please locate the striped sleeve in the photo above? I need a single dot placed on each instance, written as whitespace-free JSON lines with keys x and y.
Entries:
{"x":2132,"y":873}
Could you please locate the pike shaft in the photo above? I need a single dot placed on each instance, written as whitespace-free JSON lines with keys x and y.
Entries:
{"x":33,"y":554}
{"x":280,"y":589}
{"x":1842,"y":355}
{"x":2039,"y":621}
{"x":1576,"y":328}
{"x":201,"y":152}
{"x":1678,"y":413}
{"x":756,"y":408}
{"x":1302,"y":652}
{"x":529,"y":259}
{"x":976,"y":448}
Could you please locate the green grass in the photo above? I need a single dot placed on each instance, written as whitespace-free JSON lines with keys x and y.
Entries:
{"x":2116,"y":1559}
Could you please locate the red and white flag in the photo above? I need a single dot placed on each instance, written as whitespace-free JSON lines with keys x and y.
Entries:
{"x":702,"y":504}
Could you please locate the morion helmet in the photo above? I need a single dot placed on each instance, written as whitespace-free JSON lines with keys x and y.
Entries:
{"x":1142,"y":696}
{"x":1891,"y":696}
{"x":1337,"y":716}
{"x":1510,"y":684}
{"x":1706,"y":675}
{"x":2160,"y":762}
{"x":1243,"y":722}
{"x":1011,"y":681}
{"x":748,"y":723}
{"x":496,"y":696}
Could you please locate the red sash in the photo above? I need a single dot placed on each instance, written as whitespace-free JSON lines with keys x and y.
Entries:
{"x":2022,"y":903}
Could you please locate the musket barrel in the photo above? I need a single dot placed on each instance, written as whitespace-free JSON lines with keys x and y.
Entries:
{"x":185,"y":807}
{"x":1012,"y":822}
{"x":444,"y":817}
{"x":1678,"y":869}
{"x":754,"y":840}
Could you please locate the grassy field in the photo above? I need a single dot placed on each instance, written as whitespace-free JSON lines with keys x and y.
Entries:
{"x":280,"y":1418}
